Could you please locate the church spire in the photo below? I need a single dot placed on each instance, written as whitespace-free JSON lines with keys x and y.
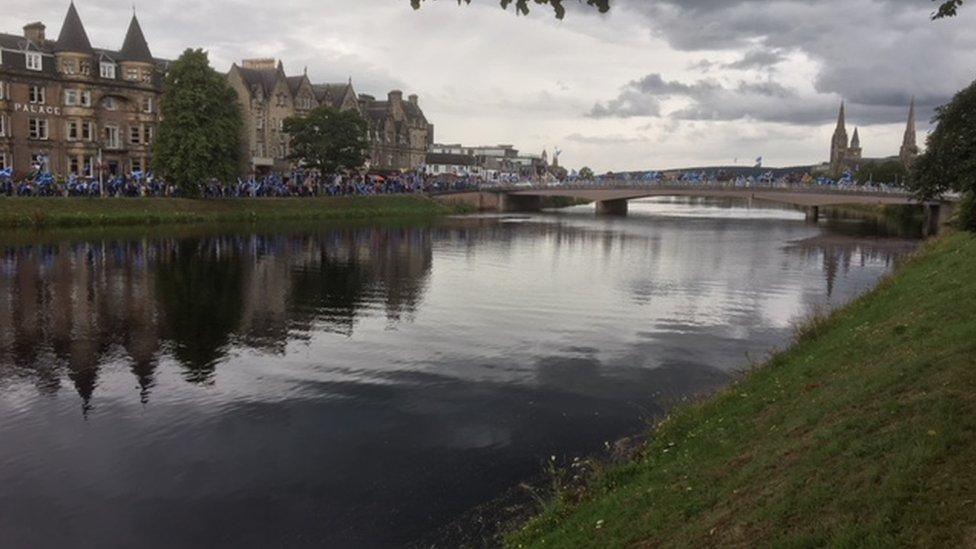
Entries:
{"x":910,"y":132}
{"x":909,"y":145}
{"x":855,"y":140}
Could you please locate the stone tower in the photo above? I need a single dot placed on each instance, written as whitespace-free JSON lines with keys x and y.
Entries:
{"x":839,"y":144}
{"x":909,"y":146}
{"x":853,"y":157}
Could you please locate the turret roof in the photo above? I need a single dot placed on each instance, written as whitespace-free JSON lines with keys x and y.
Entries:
{"x":73,"y":37}
{"x":134,"y":47}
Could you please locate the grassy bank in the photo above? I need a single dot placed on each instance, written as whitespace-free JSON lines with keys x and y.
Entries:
{"x":861,"y":434}
{"x":79,"y":212}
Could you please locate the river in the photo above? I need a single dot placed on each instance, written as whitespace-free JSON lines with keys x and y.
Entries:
{"x":362,"y":385}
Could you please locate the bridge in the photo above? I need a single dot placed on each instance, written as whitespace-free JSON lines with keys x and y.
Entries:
{"x":612,"y":198}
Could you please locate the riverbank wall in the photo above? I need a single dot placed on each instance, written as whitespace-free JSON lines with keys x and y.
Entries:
{"x":26,"y":212}
{"x":863,"y":432}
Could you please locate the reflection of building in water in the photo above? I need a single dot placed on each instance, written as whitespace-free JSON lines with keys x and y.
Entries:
{"x":68,"y":309}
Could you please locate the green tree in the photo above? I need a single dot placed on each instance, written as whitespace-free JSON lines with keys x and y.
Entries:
{"x":199,"y":136}
{"x":329,"y":140}
{"x":522,"y":6}
{"x":949,"y":161}
{"x":887,"y":171}
{"x":586,"y":173}
{"x":947,"y":8}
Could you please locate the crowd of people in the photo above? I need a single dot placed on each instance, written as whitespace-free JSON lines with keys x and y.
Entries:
{"x":306,"y":184}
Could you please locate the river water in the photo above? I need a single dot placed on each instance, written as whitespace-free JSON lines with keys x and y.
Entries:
{"x":362,"y":385}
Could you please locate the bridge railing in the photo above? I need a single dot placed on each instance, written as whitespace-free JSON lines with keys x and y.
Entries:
{"x":775,"y":186}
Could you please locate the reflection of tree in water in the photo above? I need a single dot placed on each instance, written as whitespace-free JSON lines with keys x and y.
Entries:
{"x":199,"y":290}
{"x":70,"y":308}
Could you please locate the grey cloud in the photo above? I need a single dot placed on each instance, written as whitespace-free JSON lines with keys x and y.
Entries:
{"x":876,"y":53}
{"x":605,"y":139}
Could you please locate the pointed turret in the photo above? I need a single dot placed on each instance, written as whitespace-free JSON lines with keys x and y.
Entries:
{"x":856,"y":140}
{"x":73,"y":37}
{"x":841,"y":119}
{"x":909,"y":144}
{"x":134,"y":47}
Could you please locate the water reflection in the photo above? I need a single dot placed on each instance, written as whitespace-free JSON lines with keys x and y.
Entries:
{"x":67,"y":308}
{"x":356,"y":386}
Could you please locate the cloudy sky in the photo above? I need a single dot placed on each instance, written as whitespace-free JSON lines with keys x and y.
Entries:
{"x":653,"y":84}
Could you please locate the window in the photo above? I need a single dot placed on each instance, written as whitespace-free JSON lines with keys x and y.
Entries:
{"x":85,"y":67}
{"x":109,"y":104}
{"x":89,"y":162}
{"x":147,"y":105}
{"x":132,"y":74}
{"x":84,"y":98}
{"x":3,"y":126}
{"x":3,"y":161}
{"x":107,"y":70}
{"x":70,"y":98}
{"x":4,"y":93}
{"x":36,"y":95}
{"x":74,"y":165}
{"x":111,"y":134}
{"x":32,"y":60}
{"x":149,"y":133}
{"x":135,"y":134}
{"x":259,"y":123}
{"x":68,"y":66}
{"x":74,"y":130}
{"x":87,"y":131}
{"x":37,"y":128}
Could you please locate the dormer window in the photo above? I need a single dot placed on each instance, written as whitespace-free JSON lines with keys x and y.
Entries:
{"x":69,"y":67}
{"x":108,"y":70}
{"x":32,"y":60}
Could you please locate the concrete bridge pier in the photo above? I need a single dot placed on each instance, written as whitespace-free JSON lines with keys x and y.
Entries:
{"x":611,"y":207}
{"x":519,"y":203}
{"x":934,"y":214}
{"x":813,"y":214}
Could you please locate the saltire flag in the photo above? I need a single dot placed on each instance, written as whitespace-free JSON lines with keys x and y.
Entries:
{"x":8,"y":172}
{"x":759,"y":162}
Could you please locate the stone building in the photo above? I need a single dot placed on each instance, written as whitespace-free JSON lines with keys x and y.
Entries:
{"x":843,"y":155}
{"x":398,"y":130}
{"x":399,"y":133}
{"x":68,"y":108}
{"x":847,"y":156}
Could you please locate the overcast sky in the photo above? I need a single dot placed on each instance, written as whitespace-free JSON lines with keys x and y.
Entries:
{"x":653,"y":84}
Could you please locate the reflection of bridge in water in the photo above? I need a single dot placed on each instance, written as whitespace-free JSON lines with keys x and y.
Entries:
{"x":612,"y":198}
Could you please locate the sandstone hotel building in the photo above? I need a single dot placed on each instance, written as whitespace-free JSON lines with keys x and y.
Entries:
{"x":68,"y":108}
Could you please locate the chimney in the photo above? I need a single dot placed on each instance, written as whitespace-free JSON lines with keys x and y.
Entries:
{"x":35,"y":32}
{"x":261,"y":64}
{"x":396,"y":96}
{"x":414,"y":100}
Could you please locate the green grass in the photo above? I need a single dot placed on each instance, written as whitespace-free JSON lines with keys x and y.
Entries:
{"x":80,"y":212}
{"x":862,"y":434}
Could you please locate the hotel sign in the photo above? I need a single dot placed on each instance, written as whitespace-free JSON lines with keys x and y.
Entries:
{"x":37,"y":109}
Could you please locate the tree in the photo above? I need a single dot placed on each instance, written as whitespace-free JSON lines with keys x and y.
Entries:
{"x":586,"y":173}
{"x":199,"y":136}
{"x":949,"y":161}
{"x":329,"y":140}
{"x":887,"y":171}
{"x":948,"y":8}
{"x":522,"y":6}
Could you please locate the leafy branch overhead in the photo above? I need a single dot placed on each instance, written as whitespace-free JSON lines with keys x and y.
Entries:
{"x":522,"y":6}
{"x":947,"y":8}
